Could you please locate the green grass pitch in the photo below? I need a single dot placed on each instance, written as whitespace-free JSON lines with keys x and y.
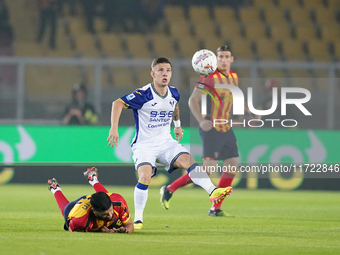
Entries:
{"x":266,"y":222}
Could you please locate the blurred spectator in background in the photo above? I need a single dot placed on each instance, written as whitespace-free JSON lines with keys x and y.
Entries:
{"x":80,"y":112}
{"x":126,"y":15}
{"x":90,"y":10}
{"x":72,"y":6}
{"x":150,"y":13}
{"x":4,"y":14}
{"x":48,"y":17}
{"x":7,"y":72}
{"x":111,"y":15}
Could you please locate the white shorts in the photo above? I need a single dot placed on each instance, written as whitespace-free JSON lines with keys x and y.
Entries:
{"x":166,"y":155}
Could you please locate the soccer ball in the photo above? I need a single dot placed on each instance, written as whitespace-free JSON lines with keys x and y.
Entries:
{"x":204,"y":62}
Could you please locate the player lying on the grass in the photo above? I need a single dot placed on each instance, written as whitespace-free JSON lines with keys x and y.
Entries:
{"x":99,"y":212}
{"x":154,"y":106}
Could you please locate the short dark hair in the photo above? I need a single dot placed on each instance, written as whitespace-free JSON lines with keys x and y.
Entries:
{"x":224,"y":48}
{"x":100,"y":201}
{"x":160,"y":60}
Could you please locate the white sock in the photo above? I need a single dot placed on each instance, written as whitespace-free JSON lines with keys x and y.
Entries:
{"x":55,"y":190}
{"x":140,"y":196}
{"x":94,"y":181}
{"x":201,"y":178}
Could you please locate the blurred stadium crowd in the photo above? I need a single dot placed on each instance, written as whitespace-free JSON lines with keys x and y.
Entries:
{"x":256,"y":30}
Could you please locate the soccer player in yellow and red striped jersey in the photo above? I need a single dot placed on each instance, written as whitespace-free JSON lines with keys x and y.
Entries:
{"x":99,"y":212}
{"x":219,"y":142}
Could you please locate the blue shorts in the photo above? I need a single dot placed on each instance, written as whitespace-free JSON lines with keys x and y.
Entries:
{"x":67,"y":210}
{"x":217,"y":145}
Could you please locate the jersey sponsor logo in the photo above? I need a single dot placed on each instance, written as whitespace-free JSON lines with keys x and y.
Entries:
{"x":130,"y":97}
{"x":159,"y":125}
{"x":161,"y":114}
{"x":153,"y":104}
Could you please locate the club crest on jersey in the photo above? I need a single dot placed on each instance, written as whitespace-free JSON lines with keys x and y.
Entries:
{"x":172,"y":103}
{"x":130,"y":97}
{"x":199,"y":85}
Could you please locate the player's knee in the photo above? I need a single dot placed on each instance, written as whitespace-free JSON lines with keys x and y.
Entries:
{"x":144,"y":179}
{"x":184,"y":161}
{"x":144,"y":174}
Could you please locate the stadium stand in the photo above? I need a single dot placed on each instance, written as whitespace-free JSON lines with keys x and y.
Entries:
{"x":111,"y":46}
{"x":162,"y":45}
{"x":231,"y":29}
{"x":255,"y":31}
{"x":300,"y":16}
{"x":49,"y":80}
{"x":179,"y":29}
{"x":76,"y":25}
{"x":266,"y":50}
{"x":188,"y":46}
{"x":319,"y":51}
{"x":249,"y":15}
{"x":224,"y":14}
{"x":305,"y":32}
{"x":123,"y":78}
{"x":289,"y":4}
{"x":261,"y":3}
{"x":242,"y":48}
{"x":274,"y":16}
{"x":199,"y":14}
{"x":174,"y":13}
{"x":298,"y":78}
{"x":143,"y":73}
{"x":331,"y":32}
{"x":280,"y":31}
{"x":274,"y":73}
{"x":86,"y":45}
{"x":213,"y":43}
{"x":293,"y":50}
{"x":336,"y":49}
{"x":290,"y":30}
{"x":205,"y":30}
{"x":324,"y":16}
{"x":316,"y":4}
{"x":333,"y":4}
{"x":137,"y":46}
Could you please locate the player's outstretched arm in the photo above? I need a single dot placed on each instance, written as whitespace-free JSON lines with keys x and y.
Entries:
{"x":194,"y":105}
{"x":128,"y":226}
{"x":116,"y":111}
{"x":177,"y":122}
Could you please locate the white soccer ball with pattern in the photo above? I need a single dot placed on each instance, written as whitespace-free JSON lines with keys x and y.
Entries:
{"x":204,"y":62}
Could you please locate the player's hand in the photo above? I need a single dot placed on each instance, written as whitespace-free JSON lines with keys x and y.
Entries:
{"x":179,"y":133}
{"x":76,"y":112}
{"x":113,"y":137}
{"x":206,"y":125}
{"x":104,"y":229}
{"x":120,"y":230}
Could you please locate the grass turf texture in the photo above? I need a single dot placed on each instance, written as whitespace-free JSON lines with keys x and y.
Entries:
{"x":266,"y":222}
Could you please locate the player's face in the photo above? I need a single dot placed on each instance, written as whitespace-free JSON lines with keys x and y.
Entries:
{"x":224,"y":60}
{"x":161,"y":74}
{"x":105,"y":215}
{"x":80,"y":95}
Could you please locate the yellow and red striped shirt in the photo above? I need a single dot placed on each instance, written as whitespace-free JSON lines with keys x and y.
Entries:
{"x":214,"y":108}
